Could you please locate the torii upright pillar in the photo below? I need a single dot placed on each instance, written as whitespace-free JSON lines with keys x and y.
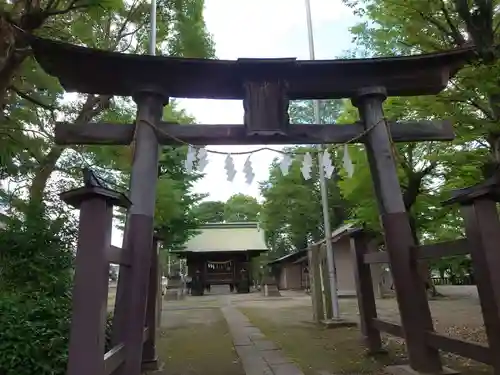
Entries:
{"x":410,"y":290}
{"x":132,"y":290}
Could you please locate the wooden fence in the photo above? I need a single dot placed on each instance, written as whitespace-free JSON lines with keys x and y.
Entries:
{"x":90,"y":292}
{"x":482,"y":226}
{"x":459,"y":280}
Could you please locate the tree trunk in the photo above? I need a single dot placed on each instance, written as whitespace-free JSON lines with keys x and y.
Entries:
{"x":410,"y":197}
{"x":43,"y":173}
{"x":14,"y":49}
{"x":93,"y":106}
{"x":423,"y":265}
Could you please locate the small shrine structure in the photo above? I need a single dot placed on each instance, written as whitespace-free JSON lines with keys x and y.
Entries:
{"x":221,"y":254}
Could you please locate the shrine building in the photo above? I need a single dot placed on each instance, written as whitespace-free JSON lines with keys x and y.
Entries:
{"x":221,"y":254}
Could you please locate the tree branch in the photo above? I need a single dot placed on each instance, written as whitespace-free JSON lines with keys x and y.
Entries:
{"x":474,"y":104}
{"x":457,"y":36}
{"x":32,"y":100}
{"x":72,"y":6}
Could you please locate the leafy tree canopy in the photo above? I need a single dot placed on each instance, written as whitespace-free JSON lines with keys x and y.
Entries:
{"x":238,"y":208}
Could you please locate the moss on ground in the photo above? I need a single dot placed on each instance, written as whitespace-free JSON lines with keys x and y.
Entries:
{"x":314,"y":349}
{"x":340,"y":350}
{"x":198,"y":349}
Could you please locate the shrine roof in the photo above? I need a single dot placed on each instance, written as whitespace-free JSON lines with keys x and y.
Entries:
{"x":226,"y":237}
{"x":88,"y":70}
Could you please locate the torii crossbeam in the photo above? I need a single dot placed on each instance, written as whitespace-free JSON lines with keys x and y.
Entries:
{"x":265,"y":85}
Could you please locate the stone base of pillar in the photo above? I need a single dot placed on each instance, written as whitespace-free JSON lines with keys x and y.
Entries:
{"x":338,"y":323}
{"x":407,"y":370}
{"x":271,"y":290}
{"x":152,"y":366}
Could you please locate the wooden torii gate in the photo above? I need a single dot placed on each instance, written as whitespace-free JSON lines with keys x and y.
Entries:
{"x":265,"y":86}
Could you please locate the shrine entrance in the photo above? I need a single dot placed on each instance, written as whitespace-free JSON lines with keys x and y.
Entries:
{"x":265,"y":86}
{"x":221,"y":272}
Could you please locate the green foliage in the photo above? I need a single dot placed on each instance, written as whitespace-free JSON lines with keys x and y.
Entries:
{"x":238,"y":208}
{"x":428,"y":171}
{"x":210,"y":212}
{"x":291,"y":214}
{"x":35,"y":301}
{"x":241,"y":207}
{"x":34,"y":334}
{"x":33,"y":99}
{"x":36,"y":253}
{"x":174,"y":201}
{"x":108,"y":331}
{"x":302,"y":111}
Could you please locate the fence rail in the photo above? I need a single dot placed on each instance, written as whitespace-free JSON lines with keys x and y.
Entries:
{"x":482,"y":227}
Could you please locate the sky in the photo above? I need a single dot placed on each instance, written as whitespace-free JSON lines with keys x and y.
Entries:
{"x":261,"y":28}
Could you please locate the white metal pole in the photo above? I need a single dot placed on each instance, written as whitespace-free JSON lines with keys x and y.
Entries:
{"x":152,"y":31}
{"x":322,"y":182}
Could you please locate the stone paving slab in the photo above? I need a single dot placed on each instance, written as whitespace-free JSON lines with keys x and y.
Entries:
{"x":258,"y":355}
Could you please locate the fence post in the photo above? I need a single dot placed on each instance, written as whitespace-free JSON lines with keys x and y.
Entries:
{"x":365,"y":294}
{"x":90,"y":290}
{"x":327,"y":290}
{"x":149,"y":355}
{"x":315,"y":282}
{"x":482,"y":227}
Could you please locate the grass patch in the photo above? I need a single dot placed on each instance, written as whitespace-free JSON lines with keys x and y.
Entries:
{"x":199,"y":349}
{"x":340,"y":350}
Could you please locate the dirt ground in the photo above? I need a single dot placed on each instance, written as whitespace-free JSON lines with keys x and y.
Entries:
{"x":287,"y":322}
{"x":195,"y":340}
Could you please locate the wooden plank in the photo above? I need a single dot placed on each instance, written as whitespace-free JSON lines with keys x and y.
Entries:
{"x":443,"y":249}
{"x":117,"y":255}
{"x":376,"y":257}
{"x":114,"y":358}
{"x":235,"y":134}
{"x":482,"y":226}
{"x":315,"y":282}
{"x":149,"y":356}
{"x":489,"y":189}
{"x":388,"y":327}
{"x":467,"y":349}
{"x":430,"y":251}
{"x":325,"y":278}
{"x":365,"y":295}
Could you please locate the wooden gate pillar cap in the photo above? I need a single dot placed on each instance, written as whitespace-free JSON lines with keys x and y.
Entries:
{"x":489,"y":189}
{"x":374,"y":91}
{"x":76,"y":197}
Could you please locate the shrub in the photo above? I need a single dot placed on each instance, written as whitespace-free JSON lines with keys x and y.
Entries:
{"x":33,"y":334}
{"x":108,"y":332}
{"x":35,"y":301}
